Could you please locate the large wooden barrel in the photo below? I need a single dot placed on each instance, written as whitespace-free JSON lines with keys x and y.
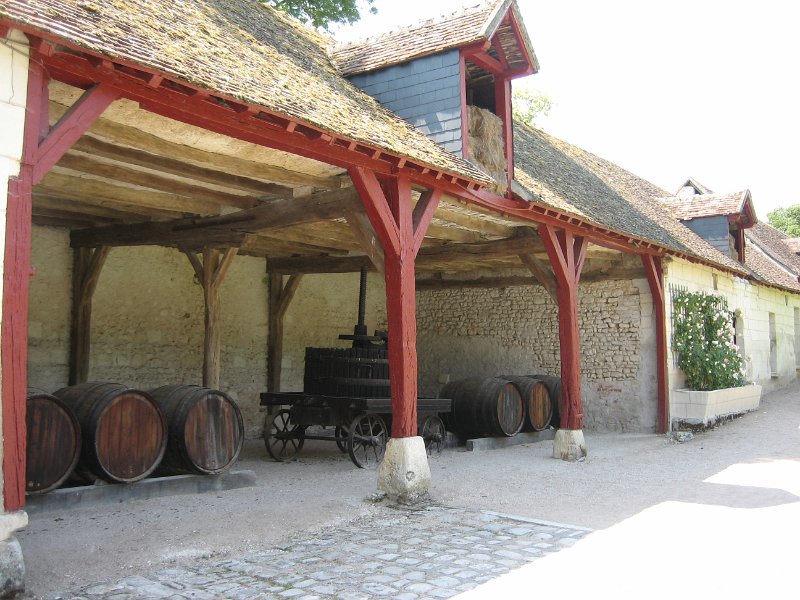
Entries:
{"x":553,"y":384}
{"x":354,"y":372}
{"x":536,"y":400}
{"x":54,"y":442}
{"x":484,"y":407}
{"x":206,"y":430}
{"x":124,"y":431}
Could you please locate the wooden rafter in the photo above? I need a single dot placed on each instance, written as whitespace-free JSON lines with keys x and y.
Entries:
{"x":271,"y":214}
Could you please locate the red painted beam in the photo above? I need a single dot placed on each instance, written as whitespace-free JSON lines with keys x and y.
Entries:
{"x":71,"y":127}
{"x":566,"y":252}
{"x":392,"y":202}
{"x":502,"y":99}
{"x":423,"y":214}
{"x":655,"y":277}
{"x":486,"y":62}
{"x":16,"y":273}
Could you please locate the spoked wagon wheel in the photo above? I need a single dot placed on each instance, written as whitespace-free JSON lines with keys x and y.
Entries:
{"x":341,"y":433}
{"x":433,"y":434}
{"x":283,"y":438}
{"x":367,"y":441}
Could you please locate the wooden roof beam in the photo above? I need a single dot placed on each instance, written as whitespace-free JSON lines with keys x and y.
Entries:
{"x":272,"y":214}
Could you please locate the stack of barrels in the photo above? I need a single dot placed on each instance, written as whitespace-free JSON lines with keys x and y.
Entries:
{"x":503,"y":406}
{"x":108,"y":431}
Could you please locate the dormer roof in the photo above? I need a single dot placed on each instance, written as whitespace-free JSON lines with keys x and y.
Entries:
{"x":495,"y":21}
{"x":737,"y":206}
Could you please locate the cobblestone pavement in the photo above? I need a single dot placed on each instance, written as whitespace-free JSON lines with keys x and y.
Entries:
{"x":437,"y":552}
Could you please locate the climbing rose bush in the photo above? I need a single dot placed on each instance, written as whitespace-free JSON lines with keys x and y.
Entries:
{"x":703,"y":341}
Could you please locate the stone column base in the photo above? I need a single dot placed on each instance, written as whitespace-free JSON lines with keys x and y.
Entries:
{"x":404,"y":474}
{"x":12,"y":567}
{"x":569,"y":445}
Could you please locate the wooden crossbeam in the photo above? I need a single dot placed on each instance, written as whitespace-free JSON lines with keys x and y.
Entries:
{"x":271,"y":214}
{"x":119,"y":173}
{"x":174,"y":166}
{"x":131,"y":136}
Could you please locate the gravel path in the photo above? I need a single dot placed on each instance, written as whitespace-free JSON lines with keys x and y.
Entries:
{"x":641,"y":489}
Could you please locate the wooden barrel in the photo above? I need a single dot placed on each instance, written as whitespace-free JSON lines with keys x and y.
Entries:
{"x":124,"y":431}
{"x":553,"y":384}
{"x":536,"y":400}
{"x":354,"y":372}
{"x":206,"y":430}
{"x":484,"y":407}
{"x":54,"y":442}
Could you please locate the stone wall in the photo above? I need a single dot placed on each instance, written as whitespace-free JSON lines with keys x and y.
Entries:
{"x":487,"y":332}
{"x":147,"y":321}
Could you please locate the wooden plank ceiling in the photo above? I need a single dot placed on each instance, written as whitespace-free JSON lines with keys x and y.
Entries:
{"x":137,"y":178}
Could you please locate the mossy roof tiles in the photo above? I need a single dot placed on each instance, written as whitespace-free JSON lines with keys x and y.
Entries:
{"x":240,"y":49}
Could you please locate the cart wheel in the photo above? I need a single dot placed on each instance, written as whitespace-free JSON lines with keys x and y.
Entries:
{"x":341,"y":432}
{"x":283,"y":438}
{"x":433,"y":434}
{"x":367,"y":441}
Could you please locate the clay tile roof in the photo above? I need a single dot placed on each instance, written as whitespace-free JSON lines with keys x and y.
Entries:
{"x":577,"y":182}
{"x":240,"y":49}
{"x":466,"y":26}
{"x":765,"y":269}
{"x":793,"y":244}
{"x":773,"y":242}
{"x":706,"y":205}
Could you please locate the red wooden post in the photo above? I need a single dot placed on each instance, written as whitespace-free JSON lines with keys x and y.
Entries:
{"x":502,"y":98}
{"x":16,"y":273}
{"x":567,"y":253}
{"x":400,"y":231}
{"x":655,"y":277}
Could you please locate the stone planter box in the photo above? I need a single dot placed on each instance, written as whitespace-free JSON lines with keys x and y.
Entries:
{"x":706,"y":408}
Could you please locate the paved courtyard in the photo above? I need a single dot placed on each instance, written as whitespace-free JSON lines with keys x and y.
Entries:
{"x":432,"y":553}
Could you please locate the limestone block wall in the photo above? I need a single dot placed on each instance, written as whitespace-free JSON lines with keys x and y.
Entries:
{"x":13,"y":94}
{"x":753,"y":304}
{"x":487,"y":332}
{"x":147,"y":321}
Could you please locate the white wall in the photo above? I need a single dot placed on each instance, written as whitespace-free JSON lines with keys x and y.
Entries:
{"x":754,"y":302}
{"x":13,"y":93}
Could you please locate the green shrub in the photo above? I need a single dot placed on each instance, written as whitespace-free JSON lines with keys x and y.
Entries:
{"x":703,"y":340}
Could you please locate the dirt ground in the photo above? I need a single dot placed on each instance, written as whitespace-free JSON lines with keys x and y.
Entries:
{"x":750,"y":463}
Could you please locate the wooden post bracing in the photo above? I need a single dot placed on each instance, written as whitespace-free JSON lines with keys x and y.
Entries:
{"x":280,"y":296}
{"x":400,"y":230}
{"x":567,"y":254}
{"x":211,"y":273}
{"x":87,"y":264}
{"x":653,"y":268}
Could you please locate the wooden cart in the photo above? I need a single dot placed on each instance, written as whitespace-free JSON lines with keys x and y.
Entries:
{"x":361,"y":425}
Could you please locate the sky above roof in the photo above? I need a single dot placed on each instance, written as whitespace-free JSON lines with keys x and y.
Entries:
{"x":666,"y":90}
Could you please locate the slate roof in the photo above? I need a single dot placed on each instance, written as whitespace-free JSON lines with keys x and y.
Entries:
{"x":466,"y":26}
{"x":706,"y":205}
{"x":577,"y":182}
{"x":241,"y":49}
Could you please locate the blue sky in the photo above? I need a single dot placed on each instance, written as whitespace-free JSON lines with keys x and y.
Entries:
{"x":665,"y":89}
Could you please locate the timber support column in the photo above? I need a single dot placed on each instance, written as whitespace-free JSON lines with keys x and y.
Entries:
{"x":567,"y":254}
{"x":404,"y":474}
{"x":653,"y":268}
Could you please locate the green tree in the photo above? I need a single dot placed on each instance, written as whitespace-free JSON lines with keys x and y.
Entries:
{"x":527,"y":105}
{"x":322,"y":13}
{"x":786,"y":219}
